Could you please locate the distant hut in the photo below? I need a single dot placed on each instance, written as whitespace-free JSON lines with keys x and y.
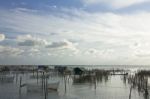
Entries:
{"x":78,"y":71}
{"x":61,"y":69}
{"x":42,"y":68}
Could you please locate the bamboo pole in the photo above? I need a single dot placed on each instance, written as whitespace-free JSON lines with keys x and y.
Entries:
{"x":46,"y":90}
{"x":146,"y":88}
{"x":65,"y":83}
{"x":20,"y":85}
{"x":130,"y":92}
{"x":37,"y":76}
{"x":95,"y":82}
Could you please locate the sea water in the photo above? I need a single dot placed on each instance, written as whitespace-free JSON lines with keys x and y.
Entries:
{"x":113,"y":87}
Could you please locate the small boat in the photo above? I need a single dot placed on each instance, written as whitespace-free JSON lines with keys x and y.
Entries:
{"x":38,"y":76}
{"x":53,"y":86}
{"x":33,"y":87}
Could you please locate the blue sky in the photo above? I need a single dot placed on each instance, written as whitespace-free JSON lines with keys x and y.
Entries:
{"x":74,"y":32}
{"x":87,"y":5}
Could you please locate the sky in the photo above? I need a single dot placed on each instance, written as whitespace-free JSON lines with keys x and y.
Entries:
{"x":75,"y":32}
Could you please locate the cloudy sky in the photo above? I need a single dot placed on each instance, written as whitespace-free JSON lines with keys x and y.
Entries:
{"x":75,"y":32}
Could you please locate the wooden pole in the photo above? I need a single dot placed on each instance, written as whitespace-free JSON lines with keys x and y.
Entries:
{"x":146,"y":88}
{"x":37,"y":76}
{"x":65,"y":83}
{"x":46,"y":91}
{"x":33,"y":71}
{"x":95,"y":82}
{"x":20,"y":85}
{"x":130,"y":92}
{"x":16,"y":77}
{"x":42,"y":79}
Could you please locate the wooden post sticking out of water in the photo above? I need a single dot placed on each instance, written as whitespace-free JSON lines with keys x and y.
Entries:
{"x":46,"y":85}
{"x":95,"y":82}
{"x":65,"y":81}
{"x":146,"y":89}
{"x":33,"y":71}
{"x":20,"y":85}
{"x":130,"y":92}
{"x":16,"y":76}
{"x":42,"y":79}
{"x":37,"y":76}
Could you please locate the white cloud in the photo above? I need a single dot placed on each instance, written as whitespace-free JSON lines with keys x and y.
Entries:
{"x":10,"y":51}
{"x":92,"y":51}
{"x":65,"y":44}
{"x":33,"y":52}
{"x":28,"y":40}
{"x":104,"y":31}
{"x":2,"y":37}
{"x":99,"y":53}
{"x":115,"y":3}
{"x":24,"y":37}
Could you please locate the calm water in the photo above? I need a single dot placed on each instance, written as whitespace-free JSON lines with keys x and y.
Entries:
{"x":112,"y":87}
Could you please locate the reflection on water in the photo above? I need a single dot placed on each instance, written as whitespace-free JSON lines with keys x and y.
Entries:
{"x":101,"y":86}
